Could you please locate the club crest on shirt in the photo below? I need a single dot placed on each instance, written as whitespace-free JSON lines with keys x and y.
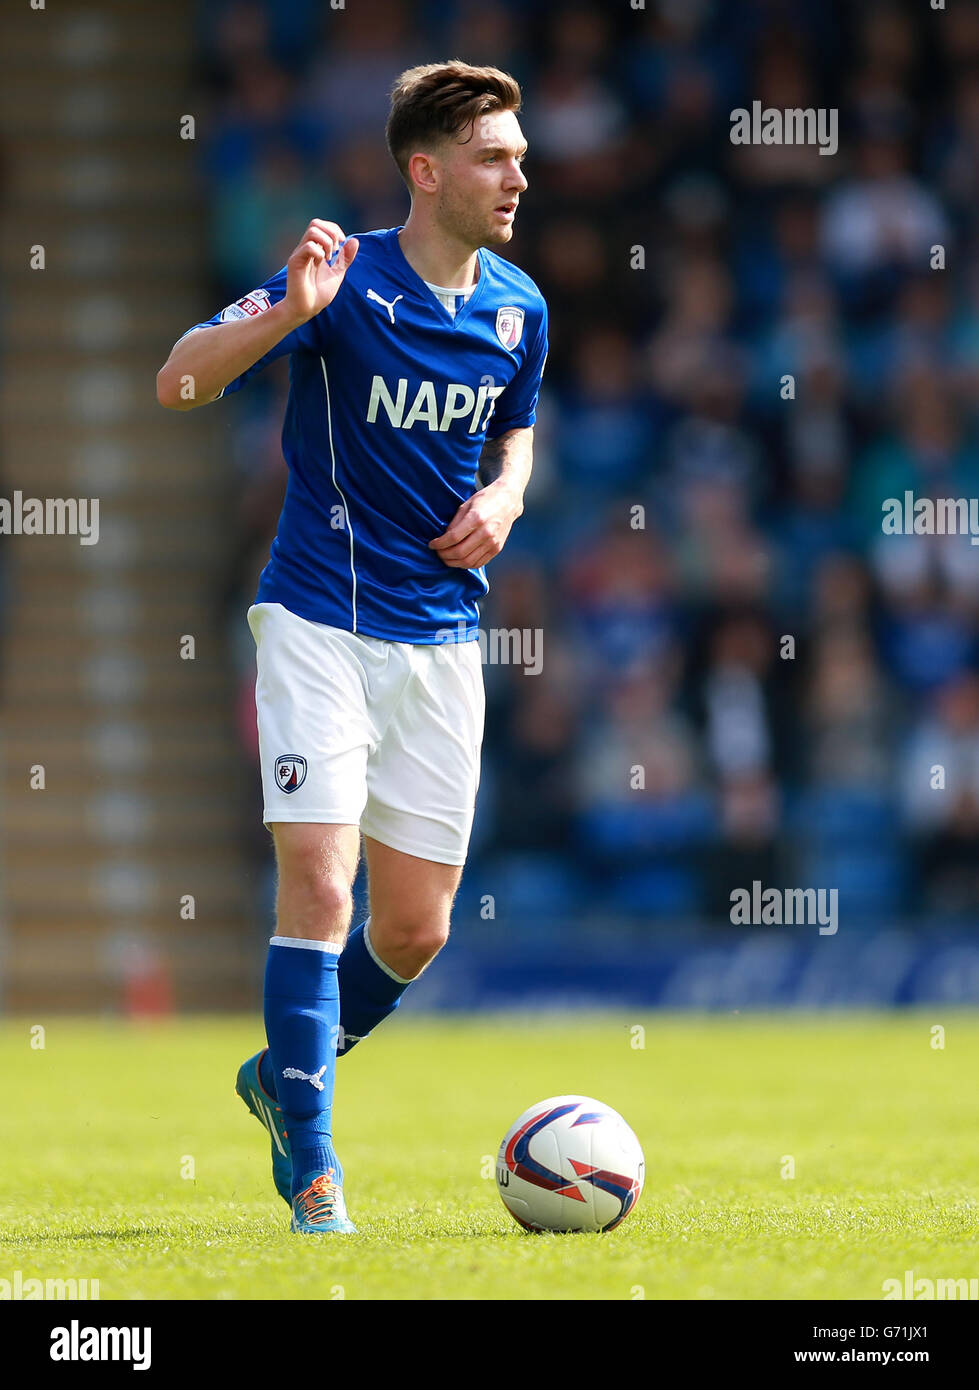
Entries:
{"x":509,"y":326}
{"x":248,"y":306}
{"x":290,"y":772}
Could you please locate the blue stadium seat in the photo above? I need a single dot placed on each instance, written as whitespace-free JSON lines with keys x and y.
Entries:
{"x":840,"y":816}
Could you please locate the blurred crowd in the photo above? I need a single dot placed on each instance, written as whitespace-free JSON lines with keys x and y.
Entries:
{"x":752,"y":347}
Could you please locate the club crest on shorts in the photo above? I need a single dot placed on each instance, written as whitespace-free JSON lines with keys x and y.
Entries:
{"x":509,"y":326}
{"x":290,"y":772}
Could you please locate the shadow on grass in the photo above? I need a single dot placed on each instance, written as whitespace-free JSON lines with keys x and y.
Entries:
{"x":94,"y":1233}
{"x":120,"y":1233}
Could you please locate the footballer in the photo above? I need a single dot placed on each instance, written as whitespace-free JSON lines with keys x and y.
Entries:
{"x":415,"y":361}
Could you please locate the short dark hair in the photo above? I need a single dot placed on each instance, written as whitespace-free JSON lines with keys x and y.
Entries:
{"x":439,"y":100}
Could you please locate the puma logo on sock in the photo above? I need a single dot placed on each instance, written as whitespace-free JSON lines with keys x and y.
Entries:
{"x":294,"y":1074}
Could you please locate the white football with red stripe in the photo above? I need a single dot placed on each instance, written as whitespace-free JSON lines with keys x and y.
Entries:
{"x":570,"y":1164}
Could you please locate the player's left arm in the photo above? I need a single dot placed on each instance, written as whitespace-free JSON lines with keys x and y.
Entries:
{"x":480,"y":527}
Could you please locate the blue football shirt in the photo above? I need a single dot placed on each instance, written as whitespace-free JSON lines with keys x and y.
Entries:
{"x":391,"y":399}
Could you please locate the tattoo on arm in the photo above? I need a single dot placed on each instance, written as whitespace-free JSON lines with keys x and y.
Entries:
{"x":509,"y":453}
{"x":491,"y":460}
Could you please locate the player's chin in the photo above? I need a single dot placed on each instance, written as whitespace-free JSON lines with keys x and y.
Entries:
{"x":499,"y":234}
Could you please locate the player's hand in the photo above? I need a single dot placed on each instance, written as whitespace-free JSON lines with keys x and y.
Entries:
{"x":311,"y":280}
{"x":480,"y":527}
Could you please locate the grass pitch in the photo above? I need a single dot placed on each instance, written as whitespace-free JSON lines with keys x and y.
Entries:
{"x":127,"y":1158}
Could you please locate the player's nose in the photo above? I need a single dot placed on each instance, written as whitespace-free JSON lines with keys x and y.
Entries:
{"x":517,"y":181}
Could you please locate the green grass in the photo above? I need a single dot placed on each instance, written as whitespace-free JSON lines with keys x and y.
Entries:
{"x":94,"y":1129}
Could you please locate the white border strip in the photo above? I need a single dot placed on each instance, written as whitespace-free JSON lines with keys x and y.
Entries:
{"x":376,"y":958}
{"x":303,"y":943}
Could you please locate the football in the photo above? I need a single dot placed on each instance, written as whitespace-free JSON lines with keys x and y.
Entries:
{"x":569,"y":1164}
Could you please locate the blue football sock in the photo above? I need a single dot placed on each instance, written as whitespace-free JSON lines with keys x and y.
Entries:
{"x":302,"y":1020}
{"x":369,"y":989}
{"x":369,"y":992}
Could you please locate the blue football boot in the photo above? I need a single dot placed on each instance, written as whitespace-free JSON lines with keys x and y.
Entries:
{"x":268,"y":1112}
{"x":319,"y":1208}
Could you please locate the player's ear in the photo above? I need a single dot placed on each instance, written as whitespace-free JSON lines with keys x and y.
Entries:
{"x":422,"y":172}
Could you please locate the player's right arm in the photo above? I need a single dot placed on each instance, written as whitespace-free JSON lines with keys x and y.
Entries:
{"x":203,"y":362}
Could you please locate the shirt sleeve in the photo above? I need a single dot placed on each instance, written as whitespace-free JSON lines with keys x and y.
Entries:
{"x":516,"y":407}
{"x":308,"y":337}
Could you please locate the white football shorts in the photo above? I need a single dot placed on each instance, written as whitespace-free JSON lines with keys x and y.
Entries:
{"x":356,"y":730}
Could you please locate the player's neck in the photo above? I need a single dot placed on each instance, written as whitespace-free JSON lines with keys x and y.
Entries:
{"x":436,"y":258}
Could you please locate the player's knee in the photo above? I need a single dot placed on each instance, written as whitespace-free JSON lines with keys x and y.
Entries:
{"x":313,"y":897}
{"x":415,"y":943}
{"x":431,"y":940}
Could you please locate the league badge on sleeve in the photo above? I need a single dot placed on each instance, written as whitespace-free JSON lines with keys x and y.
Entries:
{"x":509,"y":326}
{"x":248,"y":306}
{"x":290,"y":772}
